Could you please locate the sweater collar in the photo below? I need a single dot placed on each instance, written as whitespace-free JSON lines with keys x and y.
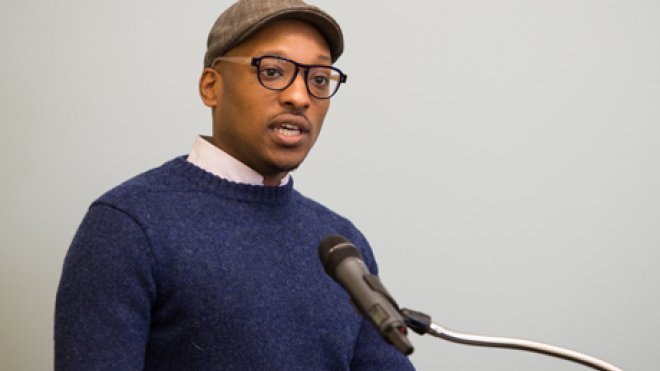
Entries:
{"x":233,"y":190}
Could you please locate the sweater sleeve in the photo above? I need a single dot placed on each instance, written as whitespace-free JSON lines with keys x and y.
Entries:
{"x":105,"y":295}
{"x":373,"y":353}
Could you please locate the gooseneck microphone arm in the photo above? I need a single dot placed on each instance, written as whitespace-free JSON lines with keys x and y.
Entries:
{"x":343,"y":262}
{"x":421,"y":324}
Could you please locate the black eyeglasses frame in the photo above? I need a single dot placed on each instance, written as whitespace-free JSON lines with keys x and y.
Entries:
{"x":256,"y":62}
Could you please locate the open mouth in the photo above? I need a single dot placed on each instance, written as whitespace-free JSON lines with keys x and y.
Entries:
{"x":288,"y":130}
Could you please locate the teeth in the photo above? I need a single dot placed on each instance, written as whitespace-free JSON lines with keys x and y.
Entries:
{"x":288,"y":130}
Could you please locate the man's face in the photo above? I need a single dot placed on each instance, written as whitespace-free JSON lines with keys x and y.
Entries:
{"x":270,"y":131}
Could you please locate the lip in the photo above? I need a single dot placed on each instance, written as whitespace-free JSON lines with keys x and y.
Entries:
{"x":298,"y":121}
{"x":290,"y":121}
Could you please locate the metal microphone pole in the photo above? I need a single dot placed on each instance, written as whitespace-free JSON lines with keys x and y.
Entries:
{"x":421,"y":324}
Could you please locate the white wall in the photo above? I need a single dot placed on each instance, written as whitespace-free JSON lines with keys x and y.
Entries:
{"x":502,"y":157}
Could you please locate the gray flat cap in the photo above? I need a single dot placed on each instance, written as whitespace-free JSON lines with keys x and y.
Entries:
{"x":247,"y":16}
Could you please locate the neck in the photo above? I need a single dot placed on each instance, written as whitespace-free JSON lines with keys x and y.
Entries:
{"x":271,"y":177}
{"x":273,"y":180}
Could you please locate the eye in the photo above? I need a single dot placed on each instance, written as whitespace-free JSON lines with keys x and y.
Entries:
{"x":271,"y":73}
{"x":320,"y":80}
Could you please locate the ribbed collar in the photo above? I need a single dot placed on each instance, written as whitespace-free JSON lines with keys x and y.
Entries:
{"x":228,"y":189}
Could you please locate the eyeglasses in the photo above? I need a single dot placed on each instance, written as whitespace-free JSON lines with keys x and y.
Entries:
{"x":278,"y":73}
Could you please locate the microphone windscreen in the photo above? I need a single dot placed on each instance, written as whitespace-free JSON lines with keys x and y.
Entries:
{"x":333,"y":249}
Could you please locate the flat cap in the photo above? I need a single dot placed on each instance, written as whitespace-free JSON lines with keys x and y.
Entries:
{"x":247,"y":16}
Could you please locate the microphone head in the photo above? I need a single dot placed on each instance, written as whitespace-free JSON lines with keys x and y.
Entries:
{"x":333,"y":249}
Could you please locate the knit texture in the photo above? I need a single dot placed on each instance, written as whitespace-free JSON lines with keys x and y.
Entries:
{"x":178,"y":269}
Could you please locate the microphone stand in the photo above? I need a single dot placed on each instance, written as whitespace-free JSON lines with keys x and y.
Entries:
{"x":421,"y":324}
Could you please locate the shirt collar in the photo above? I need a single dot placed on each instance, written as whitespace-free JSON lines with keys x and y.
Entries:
{"x":218,"y":162}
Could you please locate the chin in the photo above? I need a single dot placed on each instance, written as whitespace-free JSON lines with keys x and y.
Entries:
{"x":289,"y":168}
{"x":288,"y":163}
{"x":286,"y":166}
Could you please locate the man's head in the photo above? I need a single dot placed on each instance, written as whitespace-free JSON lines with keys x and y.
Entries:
{"x":268,"y":125}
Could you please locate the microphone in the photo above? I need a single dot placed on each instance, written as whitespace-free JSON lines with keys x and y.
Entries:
{"x":343,"y":262}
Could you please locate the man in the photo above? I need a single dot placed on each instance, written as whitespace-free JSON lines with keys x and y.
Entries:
{"x":210,"y":261}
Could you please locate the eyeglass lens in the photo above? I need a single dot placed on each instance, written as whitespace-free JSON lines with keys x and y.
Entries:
{"x":278,"y":74}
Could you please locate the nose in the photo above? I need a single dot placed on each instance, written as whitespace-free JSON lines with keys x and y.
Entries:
{"x":296,"y":95}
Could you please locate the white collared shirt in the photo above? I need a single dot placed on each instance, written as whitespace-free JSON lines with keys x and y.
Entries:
{"x":218,"y":162}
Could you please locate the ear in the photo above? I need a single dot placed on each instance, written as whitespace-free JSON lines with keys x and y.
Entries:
{"x":210,"y":84}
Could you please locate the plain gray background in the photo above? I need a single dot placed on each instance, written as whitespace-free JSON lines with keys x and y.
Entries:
{"x":501,"y":156}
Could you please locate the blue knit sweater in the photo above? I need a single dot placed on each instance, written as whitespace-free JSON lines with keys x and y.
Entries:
{"x":177,"y":269}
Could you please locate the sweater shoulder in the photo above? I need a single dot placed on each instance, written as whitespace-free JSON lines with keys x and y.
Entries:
{"x":340,"y":225}
{"x":321,"y":211}
{"x":161,"y":179}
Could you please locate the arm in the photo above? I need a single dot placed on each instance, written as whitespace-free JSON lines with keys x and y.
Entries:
{"x":104,"y":300}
